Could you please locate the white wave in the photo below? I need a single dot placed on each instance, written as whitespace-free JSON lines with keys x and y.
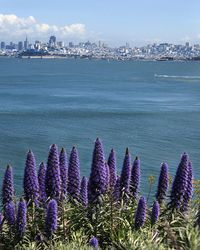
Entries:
{"x":178,"y":77}
{"x":67,"y":95}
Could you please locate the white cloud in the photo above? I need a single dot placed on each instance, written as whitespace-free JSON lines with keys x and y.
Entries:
{"x":14,"y":27}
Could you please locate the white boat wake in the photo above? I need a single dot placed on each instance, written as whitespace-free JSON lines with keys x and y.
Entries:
{"x":177,"y":77}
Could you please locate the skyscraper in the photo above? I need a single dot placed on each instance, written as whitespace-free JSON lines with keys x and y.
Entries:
{"x":26,"y":44}
{"x":61,"y":44}
{"x":187,"y":44}
{"x":71,"y":45}
{"x":3,"y":45}
{"x":52,"y":41}
{"x":20,"y":46}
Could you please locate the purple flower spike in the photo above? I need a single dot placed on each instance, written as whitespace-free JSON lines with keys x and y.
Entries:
{"x":74,"y":175}
{"x":98,"y":175}
{"x":188,"y":193}
{"x":31,"y":185}
{"x":8,"y":186}
{"x":9,"y":212}
{"x":116,"y":191}
{"x":140,"y":215}
{"x":94,"y":243}
{"x":41,"y":180}
{"x":163,"y":183}
{"x":112,"y":168}
{"x":63,"y":172}
{"x":180,"y":183}
{"x":84,"y":192}
{"x":125,"y":174}
{"x":107,"y":176}
{"x":21,"y":218}
{"x":51,"y":218}
{"x":155,"y":212}
{"x":53,"y":181}
{"x":135,"y":178}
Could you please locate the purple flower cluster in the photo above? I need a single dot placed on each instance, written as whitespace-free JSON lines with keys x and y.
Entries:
{"x":98,"y":176}
{"x":107,"y":176}
{"x":125,"y":174}
{"x":135,"y":178}
{"x":182,"y":185}
{"x":163,"y":183}
{"x":116,"y":191}
{"x":94,"y":243}
{"x":74,"y":175}
{"x":112,"y":168}
{"x":84,"y":191}
{"x":9,"y":212}
{"x":51,"y":218}
{"x":8,"y":186}
{"x":189,"y":189}
{"x":140,"y":215}
{"x":41,"y":180}
{"x":155,"y":212}
{"x":63,"y":172}
{"x":31,"y":185}
{"x":53,"y":181}
{"x":21,"y":218}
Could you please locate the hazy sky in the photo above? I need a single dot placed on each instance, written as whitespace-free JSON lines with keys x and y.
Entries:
{"x":112,"y":21}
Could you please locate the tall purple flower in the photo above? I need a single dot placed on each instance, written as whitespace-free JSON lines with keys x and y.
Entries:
{"x":180,"y":183}
{"x":31,"y":185}
{"x":125,"y":174}
{"x":163,"y":183}
{"x":52,"y":181}
{"x":51,"y":218}
{"x":188,"y":193}
{"x":74,"y":175}
{"x":107,"y":176}
{"x":112,"y":168}
{"x":98,"y":175}
{"x":155,"y":212}
{"x":94,"y":243}
{"x":9,"y":213}
{"x":41,"y":180}
{"x":63,"y":172}
{"x":135,"y":178}
{"x":116,"y":191}
{"x":84,"y":191}
{"x":21,"y":218}
{"x":140,"y":215}
{"x":8,"y":186}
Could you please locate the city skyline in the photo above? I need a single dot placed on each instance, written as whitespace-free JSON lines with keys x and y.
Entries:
{"x":90,"y":50}
{"x":115,"y":23}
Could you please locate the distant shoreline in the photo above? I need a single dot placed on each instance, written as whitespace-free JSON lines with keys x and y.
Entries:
{"x":102,"y":59}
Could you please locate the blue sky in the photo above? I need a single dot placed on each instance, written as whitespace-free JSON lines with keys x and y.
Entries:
{"x":115,"y":22}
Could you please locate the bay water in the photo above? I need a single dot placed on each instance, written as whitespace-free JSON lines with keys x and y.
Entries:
{"x":153,"y":108}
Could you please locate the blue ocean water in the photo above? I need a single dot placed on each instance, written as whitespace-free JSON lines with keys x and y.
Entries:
{"x":151,"y":107}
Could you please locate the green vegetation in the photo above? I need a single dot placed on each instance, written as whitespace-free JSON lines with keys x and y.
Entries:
{"x":113,"y":225}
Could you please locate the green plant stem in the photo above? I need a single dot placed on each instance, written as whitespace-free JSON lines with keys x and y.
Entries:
{"x":150,"y":187}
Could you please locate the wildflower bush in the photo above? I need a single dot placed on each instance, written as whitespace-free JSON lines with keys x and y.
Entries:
{"x":61,"y":210}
